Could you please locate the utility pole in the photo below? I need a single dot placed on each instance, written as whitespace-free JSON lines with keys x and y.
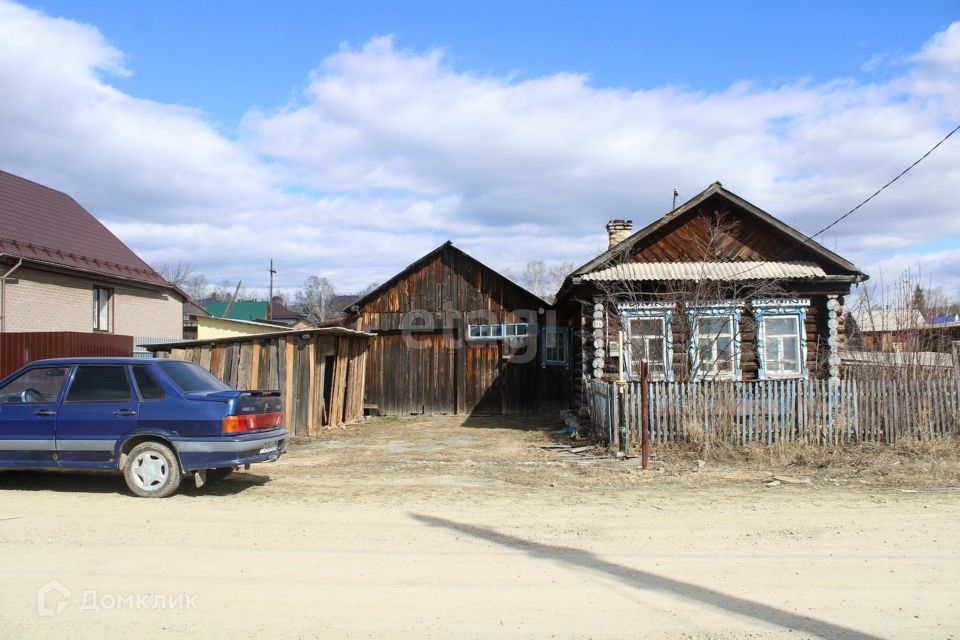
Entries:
{"x":270,"y":299}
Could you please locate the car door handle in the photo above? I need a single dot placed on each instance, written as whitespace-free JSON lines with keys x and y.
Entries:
{"x":44,"y":412}
{"x":124,"y":412}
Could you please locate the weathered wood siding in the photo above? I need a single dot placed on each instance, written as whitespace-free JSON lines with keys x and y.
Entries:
{"x":694,"y":237}
{"x":435,"y":370}
{"x":295,"y":364}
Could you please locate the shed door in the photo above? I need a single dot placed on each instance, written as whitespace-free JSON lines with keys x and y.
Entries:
{"x":482,"y":375}
{"x":410,"y":376}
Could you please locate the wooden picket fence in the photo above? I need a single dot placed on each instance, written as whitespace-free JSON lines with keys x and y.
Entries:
{"x":810,"y":412}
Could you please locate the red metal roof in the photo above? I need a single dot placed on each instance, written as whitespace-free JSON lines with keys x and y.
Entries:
{"x":39,"y":223}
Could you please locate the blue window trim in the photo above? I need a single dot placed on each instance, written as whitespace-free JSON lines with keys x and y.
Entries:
{"x":647,"y":310}
{"x":565,"y":336}
{"x":729,"y":309}
{"x":779,"y":308}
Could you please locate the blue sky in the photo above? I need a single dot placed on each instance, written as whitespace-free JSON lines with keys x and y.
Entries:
{"x":347,"y":139}
{"x":224,"y":57}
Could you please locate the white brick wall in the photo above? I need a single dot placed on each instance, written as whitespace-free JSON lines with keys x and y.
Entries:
{"x":43,"y":301}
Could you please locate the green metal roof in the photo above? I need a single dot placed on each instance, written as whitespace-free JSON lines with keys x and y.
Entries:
{"x":241,"y":310}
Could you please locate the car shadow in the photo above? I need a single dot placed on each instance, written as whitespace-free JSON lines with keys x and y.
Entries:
{"x":105,"y":483}
{"x":233,"y":485}
{"x":646,"y":581}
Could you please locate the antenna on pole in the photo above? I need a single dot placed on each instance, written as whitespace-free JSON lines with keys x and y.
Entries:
{"x":676,"y":194}
{"x":270,"y":300}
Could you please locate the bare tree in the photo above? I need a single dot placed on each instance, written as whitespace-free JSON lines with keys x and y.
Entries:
{"x":367,"y":289}
{"x":176,"y":273}
{"x":314,"y":298}
{"x":555,"y":277}
{"x":181,"y":274}
{"x":196,"y":287}
{"x":223,"y":291}
{"x":890,"y":332}
{"x":533,"y":276}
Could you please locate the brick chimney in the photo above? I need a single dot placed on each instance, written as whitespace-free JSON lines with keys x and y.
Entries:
{"x":618,"y":231}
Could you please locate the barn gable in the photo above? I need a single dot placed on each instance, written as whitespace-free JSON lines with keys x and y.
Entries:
{"x":455,"y":336}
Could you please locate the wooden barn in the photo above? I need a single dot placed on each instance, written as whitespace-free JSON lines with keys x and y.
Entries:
{"x":452,"y":335}
{"x":320,"y":371}
{"x":716,"y":289}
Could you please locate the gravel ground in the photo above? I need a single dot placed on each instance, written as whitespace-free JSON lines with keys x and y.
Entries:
{"x":439,"y":528}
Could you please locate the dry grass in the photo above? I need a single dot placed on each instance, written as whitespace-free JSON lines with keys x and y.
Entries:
{"x":925,"y":462}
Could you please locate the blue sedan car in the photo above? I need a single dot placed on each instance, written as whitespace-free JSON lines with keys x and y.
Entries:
{"x":152,"y":420}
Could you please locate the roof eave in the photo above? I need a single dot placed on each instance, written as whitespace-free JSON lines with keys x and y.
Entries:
{"x":99,"y":275}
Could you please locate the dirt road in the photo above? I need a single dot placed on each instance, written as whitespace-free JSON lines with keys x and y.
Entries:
{"x":435,"y":529}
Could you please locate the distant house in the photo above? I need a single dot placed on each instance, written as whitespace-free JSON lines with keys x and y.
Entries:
{"x":211,"y":328}
{"x":895,"y":336}
{"x":62,"y":270}
{"x":191,"y":311}
{"x":886,"y":329}
{"x":716,"y":289}
{"x":452,"y":335}
{"x":256,"y":311}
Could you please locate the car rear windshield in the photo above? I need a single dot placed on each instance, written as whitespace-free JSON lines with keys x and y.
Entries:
{"x":191,"y":378}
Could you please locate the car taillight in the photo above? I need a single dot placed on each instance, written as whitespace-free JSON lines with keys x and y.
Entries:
{"x":251,"y":422}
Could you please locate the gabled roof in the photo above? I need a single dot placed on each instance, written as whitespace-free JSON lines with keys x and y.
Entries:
{"x":364,"y":299}
{"x":610,"y":256}
{"x":280,"y":311}
{"x":42,"y":225}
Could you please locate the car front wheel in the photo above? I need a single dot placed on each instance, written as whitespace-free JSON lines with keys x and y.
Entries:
{"x":151,"y":470}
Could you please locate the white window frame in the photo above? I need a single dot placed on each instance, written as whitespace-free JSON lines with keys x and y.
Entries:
{"x":770,"y":308}
{"x":504,"y":331}
{"x":563,"y":344}
{"x":102,"y":301}
{"x":485,"y":331}
{"x":515,"y":330}
{"x":647,"y":311}
{"x":723,"y":310}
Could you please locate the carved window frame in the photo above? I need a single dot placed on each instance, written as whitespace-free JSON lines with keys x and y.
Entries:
{"x":647,"y":311}
{"x":729,"y":310}
{"x":765,"y":308}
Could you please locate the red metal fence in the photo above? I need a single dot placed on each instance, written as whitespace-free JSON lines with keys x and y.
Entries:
{"x":17,"y":349}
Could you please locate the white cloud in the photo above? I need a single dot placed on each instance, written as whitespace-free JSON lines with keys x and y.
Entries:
{"x":386,"y":153}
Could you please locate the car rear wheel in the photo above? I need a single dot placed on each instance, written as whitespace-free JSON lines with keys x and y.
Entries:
{"x":152,"y":470}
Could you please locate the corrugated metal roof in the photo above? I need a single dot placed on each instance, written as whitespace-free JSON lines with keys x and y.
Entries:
{"x":340,"y":332}
{"x":39,"y":223}
{"x":747,"y":270}
{"x":870,"y":320}
{"x":239,"y":310}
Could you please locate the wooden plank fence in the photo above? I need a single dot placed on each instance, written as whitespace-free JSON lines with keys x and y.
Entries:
{"x":779,"y":411}
{"x":320,"y":372}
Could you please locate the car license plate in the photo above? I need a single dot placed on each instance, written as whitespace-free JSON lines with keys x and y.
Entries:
{"x":269,"y":448}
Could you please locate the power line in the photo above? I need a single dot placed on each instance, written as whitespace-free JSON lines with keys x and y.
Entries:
{"x":877,"y":192}
{"x":871,"y":197}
